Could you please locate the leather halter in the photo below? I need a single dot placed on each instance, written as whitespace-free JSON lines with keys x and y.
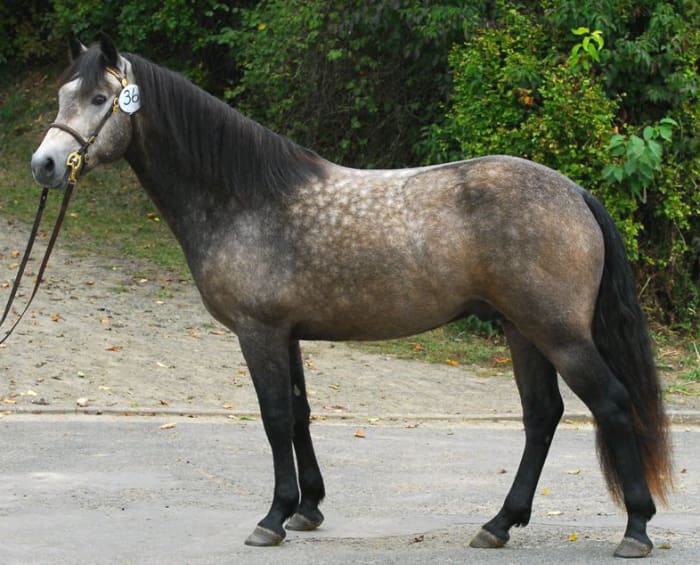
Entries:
{"x":77,"y":159}
{"x":75,"y":164}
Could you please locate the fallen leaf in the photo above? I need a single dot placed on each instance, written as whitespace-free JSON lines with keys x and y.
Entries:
{"x":227,"y":406}
{"x":418,"y":347}
{"x":502,"y":361}
{"x":574,"y":472}
{"x":9,"y":401}
{"x":683,"y":471}
{"x":168,"y":426}
{"x":153,"y":217}
{"x":102,"y":387}
{"x":115,"y":348}
{"x":217,"y":332}
{"x":452,"y":362}
{"x":164,"y":403}
{"x":241,"y":372}
{"x":373,"y":420}
{"x":360,"y":434}
{"x":664,"y":546}
{"x":419,"y":538}
{"x":554,"y":513}
{"x":573,"y":537}
{"x":56,"y":317}
{"x":82,"y":402}
{"x":545,"y":491}
{"x":412,"y":426}
{"x":334,"y":387}
{"x":15,"y":253}
{"x":31,"y":393}
{"x":90,"y":283}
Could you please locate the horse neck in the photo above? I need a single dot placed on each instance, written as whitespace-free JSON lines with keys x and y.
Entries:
{"x":192,"y":151}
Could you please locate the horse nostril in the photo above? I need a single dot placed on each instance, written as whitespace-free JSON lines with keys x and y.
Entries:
{"x":49,"y":165}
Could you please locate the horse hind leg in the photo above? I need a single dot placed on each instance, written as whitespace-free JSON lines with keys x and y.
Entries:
{"x":307,"y":516}
{"x":542,"y":408}
{"x":587,"y":374}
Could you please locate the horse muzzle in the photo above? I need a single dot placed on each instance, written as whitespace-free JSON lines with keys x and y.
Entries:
{"x":49,"y":170}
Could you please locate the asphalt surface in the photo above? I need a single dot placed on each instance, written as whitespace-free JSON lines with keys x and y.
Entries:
{"x":108,"y":489}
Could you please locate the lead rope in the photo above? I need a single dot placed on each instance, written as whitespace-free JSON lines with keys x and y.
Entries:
{"x":75,"y":162}
{"x":47,"y":253}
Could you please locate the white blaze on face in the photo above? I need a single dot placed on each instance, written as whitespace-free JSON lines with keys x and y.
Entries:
{"x":49,"y":160}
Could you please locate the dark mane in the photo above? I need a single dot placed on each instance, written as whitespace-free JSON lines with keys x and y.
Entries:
{"x":229,"y":152}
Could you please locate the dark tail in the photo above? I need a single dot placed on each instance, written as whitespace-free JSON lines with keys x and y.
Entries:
{"x":620,"y":333}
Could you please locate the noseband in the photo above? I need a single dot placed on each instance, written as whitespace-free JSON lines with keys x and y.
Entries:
{"x":78,"y":159}
{"x":76,"y":162}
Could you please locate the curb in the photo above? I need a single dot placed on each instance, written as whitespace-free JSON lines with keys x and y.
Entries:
{"x":676,"y":417}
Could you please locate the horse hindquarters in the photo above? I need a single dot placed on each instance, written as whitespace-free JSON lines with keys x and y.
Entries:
{"x":614,"y":374}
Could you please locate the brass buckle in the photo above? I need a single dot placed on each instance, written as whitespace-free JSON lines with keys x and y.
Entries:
{"x":75,"y":162}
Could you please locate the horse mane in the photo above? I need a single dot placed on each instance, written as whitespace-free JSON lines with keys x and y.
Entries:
{"x":230,"y":153}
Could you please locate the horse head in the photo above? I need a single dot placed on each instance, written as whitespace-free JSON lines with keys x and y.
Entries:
{"x":93,"y":124}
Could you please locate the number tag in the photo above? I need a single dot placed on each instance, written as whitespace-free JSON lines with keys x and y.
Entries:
{"x":130,"y":99}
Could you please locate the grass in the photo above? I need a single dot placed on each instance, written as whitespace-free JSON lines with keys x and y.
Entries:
{"x":467,"y":342}
{"x":110,"y":214}
{"x":109,"y":211}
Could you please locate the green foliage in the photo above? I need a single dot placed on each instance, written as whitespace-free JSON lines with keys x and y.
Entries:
{"x":605,"y":91}
{"x":596,"y":104}
{"x":22,"y":27}
{"x":356,"y":80}
{"x":584,"y":54}
{"x":637,"y":160}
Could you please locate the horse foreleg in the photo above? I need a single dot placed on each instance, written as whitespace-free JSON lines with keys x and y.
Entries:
{"x":307,"y":516}
{"x":266,"y":352}
{"x":542,"y":408}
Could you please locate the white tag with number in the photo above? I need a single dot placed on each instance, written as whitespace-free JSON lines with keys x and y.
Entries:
{"x":130,"y":99}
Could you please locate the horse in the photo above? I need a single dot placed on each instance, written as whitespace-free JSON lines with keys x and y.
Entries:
{"x":286,"y":246}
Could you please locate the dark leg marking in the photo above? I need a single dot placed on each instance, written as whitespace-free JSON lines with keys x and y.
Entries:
{"x":307,"y":515}
{"x":266,"y":351}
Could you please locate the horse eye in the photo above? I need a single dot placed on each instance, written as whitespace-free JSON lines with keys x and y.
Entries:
{"x":99,"y":99}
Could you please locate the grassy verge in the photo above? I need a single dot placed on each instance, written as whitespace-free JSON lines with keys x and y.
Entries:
{"x":110,"y":214}
{"x":109,"y":211}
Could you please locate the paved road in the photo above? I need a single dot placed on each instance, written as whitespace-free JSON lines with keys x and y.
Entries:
{"x":119,"y":490}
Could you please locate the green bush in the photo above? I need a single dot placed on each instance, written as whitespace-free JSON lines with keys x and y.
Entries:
{"x":358,"y":81}
{"x":614,"y":108}
{"x":605,"y":91}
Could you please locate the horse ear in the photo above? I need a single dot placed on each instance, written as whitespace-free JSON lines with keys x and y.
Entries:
{"x":76,"y":47}
{"x":109,"y":51}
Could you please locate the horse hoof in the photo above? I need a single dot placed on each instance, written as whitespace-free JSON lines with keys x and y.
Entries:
{"x":486,"y":540}
{"x":630,"y":547}
{"x":262,"y":537}
{"x":300,"y":523}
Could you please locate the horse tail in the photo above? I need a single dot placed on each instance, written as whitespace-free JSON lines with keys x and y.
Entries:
{"x":621,"y":336}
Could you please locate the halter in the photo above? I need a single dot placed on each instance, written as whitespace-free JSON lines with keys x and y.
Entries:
{"x":76,"y":162}
{"x":78,"y":159}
